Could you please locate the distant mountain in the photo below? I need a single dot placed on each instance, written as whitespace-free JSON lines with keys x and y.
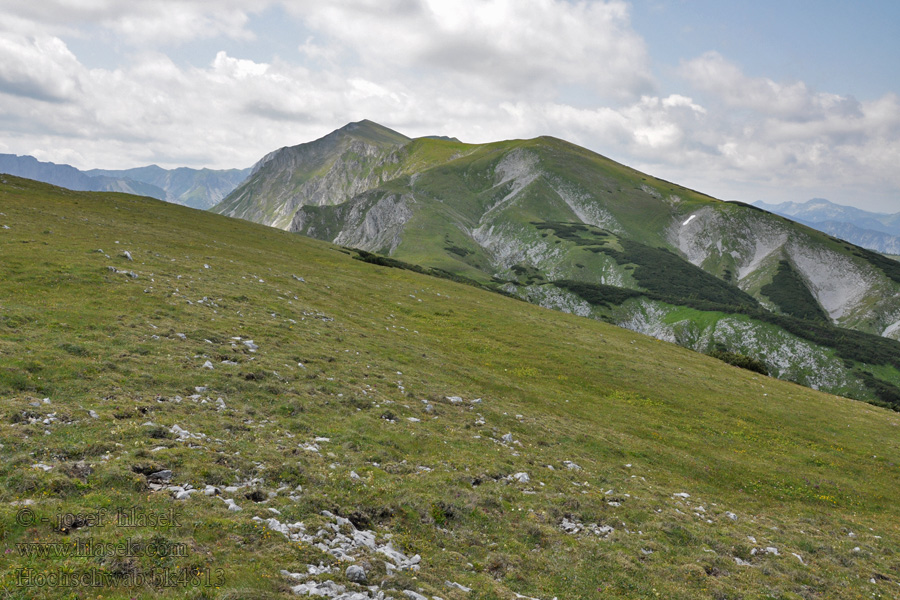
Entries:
{"x":197,"y":188}
{"x":563,"y":227}
{"x":875,"y":231}
{"x":69,"y":177}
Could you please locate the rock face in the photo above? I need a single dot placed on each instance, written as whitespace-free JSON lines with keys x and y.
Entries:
{"x":371,"y":221}
{"x":328,"y":171}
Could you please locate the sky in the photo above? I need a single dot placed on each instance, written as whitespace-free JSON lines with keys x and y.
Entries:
{"x":774,"y":100}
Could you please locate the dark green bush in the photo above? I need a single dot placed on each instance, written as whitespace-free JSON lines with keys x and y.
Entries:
{"x":740,"y":360}
{"x":792,"y":296}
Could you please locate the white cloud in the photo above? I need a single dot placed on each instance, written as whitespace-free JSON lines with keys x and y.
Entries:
{"x":713,"y":74}
{"x":135,"y":22}
{"x":495,"y":46}
{"x":40,"y":68}
{"x":787,"y":136}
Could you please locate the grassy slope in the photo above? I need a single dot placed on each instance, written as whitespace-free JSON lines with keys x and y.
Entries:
{"x":453,"y":196}
{"x":800,"y":469}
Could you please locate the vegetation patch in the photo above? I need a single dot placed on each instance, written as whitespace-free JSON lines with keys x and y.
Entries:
{"x":580,"y":234}
{"x":791,"y":295}
{"x":393,"y":263}
{"x":599,"y":294}
{"x":660,"y":271}
{"x":740,"y":360}
{"x":889,"y":267}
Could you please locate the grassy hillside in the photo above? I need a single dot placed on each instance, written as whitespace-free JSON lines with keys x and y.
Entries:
{"x":515,"y":450}
{"x":523,"y":214}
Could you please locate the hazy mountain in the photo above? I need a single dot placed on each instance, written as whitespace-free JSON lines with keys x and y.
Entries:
{"x":197,"y":188}
{"x":566,"y":228}
{"x":875,"y":231}
{"x":69,"y":177}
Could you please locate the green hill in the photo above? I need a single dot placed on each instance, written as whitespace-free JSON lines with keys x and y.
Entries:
{"x":465,"y":440}
{"x":532,"y":217}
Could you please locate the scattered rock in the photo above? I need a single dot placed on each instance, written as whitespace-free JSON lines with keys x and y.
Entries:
{"x":131,"y":274}
{"x":573,"y":527}
{"x":164,"y":476}
{"x":453,"y":584}
{"x":231,"y":504}
{"x":356,"y":574}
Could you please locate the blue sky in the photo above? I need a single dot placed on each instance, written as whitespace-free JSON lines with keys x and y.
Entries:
{"x":746,"y":101}
{"x":846,"y":48}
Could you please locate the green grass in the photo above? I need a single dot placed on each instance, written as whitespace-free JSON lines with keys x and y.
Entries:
{"x":644,"y":419}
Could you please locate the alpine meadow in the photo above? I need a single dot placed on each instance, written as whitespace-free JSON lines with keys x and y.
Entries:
{"x":297,"y":413}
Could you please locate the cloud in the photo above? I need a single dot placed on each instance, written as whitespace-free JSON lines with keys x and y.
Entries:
{"x":136,"y":23}
{"x":39,"y":68}
{"x":787,"y":135}
{"x":713,"y":74}
{"x":496,"y":46}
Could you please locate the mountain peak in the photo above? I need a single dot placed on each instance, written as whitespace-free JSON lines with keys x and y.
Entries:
{"x":372,"y":132}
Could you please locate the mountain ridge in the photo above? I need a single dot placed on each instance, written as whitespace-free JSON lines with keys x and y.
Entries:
{"x":875,"y":231}
{"x":523,"y":214}
{"x":197,"y":188}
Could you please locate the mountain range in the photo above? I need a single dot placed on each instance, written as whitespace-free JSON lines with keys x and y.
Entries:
{"x":875,"y":231}
{"x":560,"y":226}
{"x":197,"y":188}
